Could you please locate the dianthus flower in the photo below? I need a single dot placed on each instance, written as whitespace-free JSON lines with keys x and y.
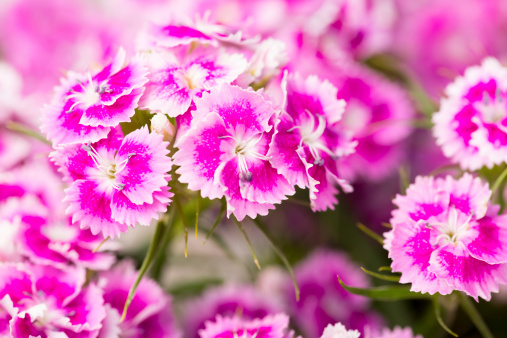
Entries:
{"x":225,"y":152}
{"x":85,"y":107}
{"x":321,"y":293}
{"x":274,"y":326}
{"x":47,"y":240}
{"x":149,"y":313}
{"x":397,"y":332}
{"x":116,"y":182}
{"x":339,"y":331}
{"x":174,"y":83}
{"x":309,"y":140}
{"x":446,"y":237}
{"x":471,"y":125}
{"x":40,"y":301}
{"x":227,"y":301}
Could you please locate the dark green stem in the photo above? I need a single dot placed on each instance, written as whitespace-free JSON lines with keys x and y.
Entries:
{"x":475,"y":316}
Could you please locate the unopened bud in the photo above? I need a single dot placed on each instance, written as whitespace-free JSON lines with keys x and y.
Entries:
{"x":160,"y":125}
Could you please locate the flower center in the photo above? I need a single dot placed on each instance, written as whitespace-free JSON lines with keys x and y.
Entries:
{"x":191,"y":77}
{"x":492,"y":109}
{"x":109,"y":169}
{"x":452,"y":230}
{"x":245,"y":149}
{"x":89,"y":96}
{"x":311,"y":135}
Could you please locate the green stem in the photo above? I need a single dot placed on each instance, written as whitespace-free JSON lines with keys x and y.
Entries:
{"x":160,"y":258}
{"x":240,"y":227}
{"x":371,"y":233}
{"x":285,"y":261}
{"x":19,"y":128}
{"x":475,"y":316}
{"x":217,"y":221}
{"x":177,"y":203}
{"x":144,"y":267}
{"x":499,"y":180}
{"x":197,"y":209}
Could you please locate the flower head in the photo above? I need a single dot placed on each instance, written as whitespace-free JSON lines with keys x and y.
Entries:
{"x":85,"y":107}
{"x":471,"y":125}
{"x":116,"y":182}
{"x":446,"y":237}
{"x":224,"y":153}
{"x":339,"y":331}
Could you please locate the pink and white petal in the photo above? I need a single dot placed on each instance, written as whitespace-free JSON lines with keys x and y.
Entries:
{"x":113,"y":67}
{"x":312,"y":94}
{"x":243,"y":111}
{"x":87,"y":310}
{"x":270,"y":326}
{"x":411,"y":252}
{"x":469,"y":194}
{"x":126,"y":212}
{"x":219,"y":66}
{"x":165,"y":94}
{"x":64,"y":128}
{"x":24,"y":327}
{"x":91,"y":207}
{"x":145,"y":171}
{"x":465,"y":273}
{"x":111,"y":324}
{"x":490,"y":241}
{"x":121,"y":110}
{"x":15,"y":283}
{"x":200,"y":154}
{"x":228,"y":176}
{"x":124,"y":82}
{"x":171,"y":36}
{"x":72,"y":161}
{"x":283,"y":153}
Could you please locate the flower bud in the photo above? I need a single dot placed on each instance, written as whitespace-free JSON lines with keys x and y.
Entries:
{"x":160,"y":124}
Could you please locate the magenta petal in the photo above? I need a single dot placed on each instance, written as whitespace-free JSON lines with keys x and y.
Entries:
{"x":411,"y":252}
{"x":283,"y":153}
{"x":236,"y":203}
{"x":465,"y":273}
{"x":23,"y":327}
{"x":147,"y":165}
{"x":126,"y":212}
{"x":200,"y":155}
{"x":92,"y":209}
{"x":490,"y":245}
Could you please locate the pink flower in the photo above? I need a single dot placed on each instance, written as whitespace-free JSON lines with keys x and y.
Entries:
{"x":471,"y":125}
{"x":323,"y":300}
{"x":379,"y":114}
{"x":116,"y":182}
{"x":274,"y":326}
{"x":39,"y":300}
{"x":339,"y":331}
{"x":174,"y":83}
{"x":149,"y":314}
{"x":226,"y":301}
{"x":397,"y":332}
{"x":309,"y":140}
{"x":224,"y":153}
{"x":446,"y":237}
{"x":85,"y":107}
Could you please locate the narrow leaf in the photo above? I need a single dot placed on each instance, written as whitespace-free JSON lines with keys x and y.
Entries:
{"x":388,"y":293}
{"x":144,"y":267}
{"x":404,"y":180}
{"x":240,"y":227}
{"x":177,"y":203}
{"x":22,"y":129}
{"x":438,"y":315}
{"x":197,"y":209}
{"x":280,"y":254}
{"x":392,"y":278}
{"x":370,"y":233}
{"x":101,"y":243}
{"x":499,"y":180}
{"x":217,"y":221}
{"x":475,"y":316}
{"x":385,"y":268}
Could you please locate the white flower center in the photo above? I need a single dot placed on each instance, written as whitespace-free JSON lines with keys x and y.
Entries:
{"x":191,"y":77}
{"x":492,"y":110}
{"x":108,"y":168}
{"x":90,"y":95}
{"x":311,"y":135}
{"x":452,"y":230}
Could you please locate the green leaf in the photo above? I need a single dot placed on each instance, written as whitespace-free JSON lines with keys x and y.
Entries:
{"x":240,"y":227}
{"x":438,"y":315}
{"x":22,"y":129}
{"x":217,"y":221}
{"x":197,"y":209}
{"x":391,"y":278}
{"x":370,"y":233}
{"x":285,"y":261}
{"x":475,"y":316}
{"x":177,"y":203}
{"x":144,"y":267}
{"x":387,"y":293}
{"x":385,"y":268}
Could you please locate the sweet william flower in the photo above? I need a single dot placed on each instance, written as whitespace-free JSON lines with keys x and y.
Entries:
{"x":471,"y":125}
{"x":224,"y":153}
{"x":339,"y":331}
{"x":85,"y":107}
{"x":447,"y":237}
{"x":309,"y":139}
{"x":274,"y":326}
{"x":116,"y":182}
